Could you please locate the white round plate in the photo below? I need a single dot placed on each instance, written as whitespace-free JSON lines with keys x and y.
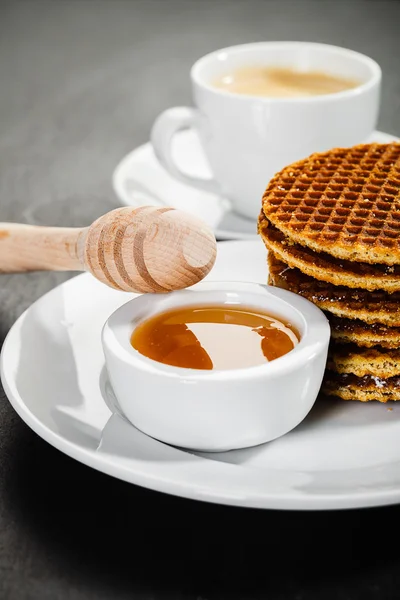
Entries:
{"x":345,"y":454}
{"x":139,"y":180}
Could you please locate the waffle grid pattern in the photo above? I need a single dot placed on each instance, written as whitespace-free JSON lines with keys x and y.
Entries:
{"x":345,"y":202}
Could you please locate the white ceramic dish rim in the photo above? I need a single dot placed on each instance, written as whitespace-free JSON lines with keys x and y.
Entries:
{"x":176,"y":479}
{"x":202,"y":63}
{"x":309,"y":319}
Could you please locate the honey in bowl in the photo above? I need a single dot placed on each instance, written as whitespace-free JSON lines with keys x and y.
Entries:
{"x":214,"y":337}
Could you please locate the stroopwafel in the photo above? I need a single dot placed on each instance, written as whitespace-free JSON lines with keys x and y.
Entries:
{"x":369,"y":307}
{"x":376,"y":362}
{"x":362,"y":389}
{"x":344,"y":202}
{"x":324,"y":267}
{"x":353,"y":331}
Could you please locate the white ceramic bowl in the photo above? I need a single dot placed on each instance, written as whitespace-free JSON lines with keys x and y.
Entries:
{"x":217,"y":410}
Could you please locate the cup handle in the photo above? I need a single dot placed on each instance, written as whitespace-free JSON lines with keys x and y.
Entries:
{"x":165,"y":127}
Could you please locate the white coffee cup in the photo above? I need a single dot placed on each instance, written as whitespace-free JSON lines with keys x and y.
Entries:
{"x":247,"y":139}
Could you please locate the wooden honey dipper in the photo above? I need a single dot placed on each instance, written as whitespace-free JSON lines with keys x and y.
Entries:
{"x":144,"y":249}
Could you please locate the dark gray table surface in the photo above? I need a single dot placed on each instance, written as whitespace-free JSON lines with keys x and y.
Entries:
{"x":80,"y":85}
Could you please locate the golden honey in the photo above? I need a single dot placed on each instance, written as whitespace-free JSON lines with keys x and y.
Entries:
{"x":214,"y":337}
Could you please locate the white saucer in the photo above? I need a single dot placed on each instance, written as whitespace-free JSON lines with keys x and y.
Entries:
{"x":345,"y":454}
{"x":139,"y":179}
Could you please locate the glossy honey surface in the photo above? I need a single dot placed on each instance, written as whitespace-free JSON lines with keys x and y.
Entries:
{"x":214,"y":337}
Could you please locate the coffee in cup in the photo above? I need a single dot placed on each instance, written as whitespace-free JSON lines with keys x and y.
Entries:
{"x":278,"y":82}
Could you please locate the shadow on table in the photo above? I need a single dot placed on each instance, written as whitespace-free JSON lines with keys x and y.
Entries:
{"x":107,"y":534}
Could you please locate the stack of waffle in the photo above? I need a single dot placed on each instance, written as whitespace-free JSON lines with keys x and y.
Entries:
{"x":331,"y":224}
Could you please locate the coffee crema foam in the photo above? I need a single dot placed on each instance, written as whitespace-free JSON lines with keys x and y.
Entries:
{"x":276,"y":82}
